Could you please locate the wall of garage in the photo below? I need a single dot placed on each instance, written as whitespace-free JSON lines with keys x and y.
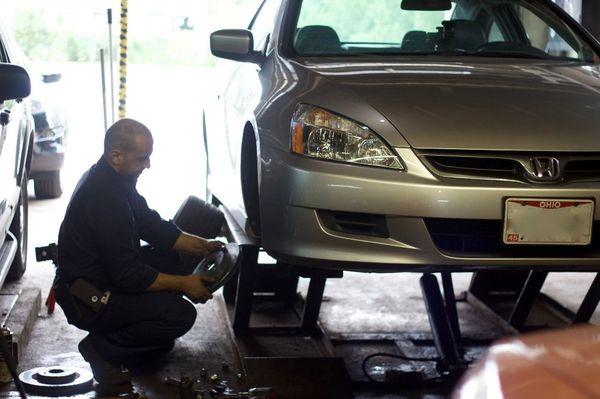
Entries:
{"x":591,"y":11}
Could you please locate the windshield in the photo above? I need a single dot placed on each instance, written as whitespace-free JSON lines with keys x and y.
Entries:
{"x":498,"y":28}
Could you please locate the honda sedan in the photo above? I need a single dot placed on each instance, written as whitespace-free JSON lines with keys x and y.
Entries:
{"x":389,"y":135}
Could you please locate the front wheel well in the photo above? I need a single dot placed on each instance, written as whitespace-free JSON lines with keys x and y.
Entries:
{"x":249,"y":178}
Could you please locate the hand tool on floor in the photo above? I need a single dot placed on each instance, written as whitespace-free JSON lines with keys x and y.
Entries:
{"x":187,"y":390}
{"x":185,"y":385}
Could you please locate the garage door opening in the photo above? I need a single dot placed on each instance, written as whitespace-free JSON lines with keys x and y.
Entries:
{"x":169,"y":74}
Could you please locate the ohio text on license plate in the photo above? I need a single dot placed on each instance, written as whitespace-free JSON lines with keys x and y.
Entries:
{"x":548,"y":221}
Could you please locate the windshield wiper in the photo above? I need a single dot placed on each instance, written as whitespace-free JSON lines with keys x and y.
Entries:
{"x":380,"y":53}
{"x":377,"y":53}
{"x":512,"y":54}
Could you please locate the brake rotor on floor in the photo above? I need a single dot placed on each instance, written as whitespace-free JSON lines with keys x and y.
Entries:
{"x":220,"y":265}
{"x":57,"y":381}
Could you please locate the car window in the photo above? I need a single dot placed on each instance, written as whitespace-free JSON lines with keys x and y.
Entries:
{"x":367,"y":25}
{"x":543,"y":36}
{"x":499,"y":28}
{"x":263,"y":23}
{"x":494,"y":33}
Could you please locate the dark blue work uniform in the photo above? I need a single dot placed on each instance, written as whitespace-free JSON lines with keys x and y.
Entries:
{"x":99,"y":241}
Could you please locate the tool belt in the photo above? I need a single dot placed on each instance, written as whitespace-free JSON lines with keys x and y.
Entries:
{"x":89,"y":295}
{"x":71,"y":297}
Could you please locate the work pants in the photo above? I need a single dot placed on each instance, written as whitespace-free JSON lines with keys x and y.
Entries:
{"x":143,"y":323}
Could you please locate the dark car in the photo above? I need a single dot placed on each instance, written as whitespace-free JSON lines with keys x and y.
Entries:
{"x":16,"y":137}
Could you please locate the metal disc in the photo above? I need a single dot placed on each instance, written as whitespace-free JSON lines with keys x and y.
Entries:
{"x":57,"y":381}
{"x":55,"y":376}
{"x":220,"y":266}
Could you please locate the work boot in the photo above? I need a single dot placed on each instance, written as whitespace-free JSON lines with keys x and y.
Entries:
{"x":104,"y":372}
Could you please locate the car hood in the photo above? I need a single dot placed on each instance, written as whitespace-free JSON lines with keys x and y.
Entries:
{"x":478,"y":105}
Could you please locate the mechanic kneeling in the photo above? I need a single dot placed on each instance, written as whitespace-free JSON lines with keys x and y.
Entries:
{"x":128,"y":297}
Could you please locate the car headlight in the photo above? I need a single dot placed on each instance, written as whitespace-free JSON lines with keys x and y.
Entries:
{"x":318,"y":133}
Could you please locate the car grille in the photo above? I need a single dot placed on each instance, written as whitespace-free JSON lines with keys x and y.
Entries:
{"x":583,"y":169}
{"x":515,"y":167}
{"x":472,"y":238}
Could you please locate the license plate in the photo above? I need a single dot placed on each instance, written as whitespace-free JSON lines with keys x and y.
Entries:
{"x":548,"y":221}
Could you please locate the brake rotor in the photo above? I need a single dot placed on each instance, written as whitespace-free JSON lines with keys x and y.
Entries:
{"x":220,"y":265}
{"x":57,"y":381}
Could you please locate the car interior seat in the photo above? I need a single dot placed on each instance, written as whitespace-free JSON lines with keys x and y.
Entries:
{"x":469,"y":35}
{"x":414,"y":40}
{"x":317,"y":39}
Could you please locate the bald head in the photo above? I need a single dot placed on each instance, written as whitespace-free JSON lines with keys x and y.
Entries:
{"x":123,"y":135}
{"x":128,"y":146}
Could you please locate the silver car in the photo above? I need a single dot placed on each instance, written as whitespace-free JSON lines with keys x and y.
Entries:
{"x":389,"y":135}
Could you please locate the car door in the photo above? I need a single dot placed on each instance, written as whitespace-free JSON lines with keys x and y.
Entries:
{"x":241,"y":98}
{"x":13,"y":125}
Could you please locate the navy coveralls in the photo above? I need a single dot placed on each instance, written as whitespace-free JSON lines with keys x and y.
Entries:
{"x":99,"y":241}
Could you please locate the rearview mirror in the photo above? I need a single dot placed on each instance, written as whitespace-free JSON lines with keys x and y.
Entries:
{"x":14,"y":82}
{"x":235,"y":44}
{"x":426,"y":5}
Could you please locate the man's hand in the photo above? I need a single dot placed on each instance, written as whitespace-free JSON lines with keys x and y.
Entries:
{"x":194,"y":245}
{"x":193,"y":286}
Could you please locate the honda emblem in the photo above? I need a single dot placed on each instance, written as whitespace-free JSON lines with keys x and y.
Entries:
{"x":546,"y":168}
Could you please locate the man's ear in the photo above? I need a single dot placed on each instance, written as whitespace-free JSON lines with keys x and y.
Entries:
{"x":116,"y":156}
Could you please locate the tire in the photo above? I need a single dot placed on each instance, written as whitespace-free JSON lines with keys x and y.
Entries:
{"x":200,"y":218}
{"x":48,"y":186}
{"x":249,"y":181}
{"x":18,"y":228}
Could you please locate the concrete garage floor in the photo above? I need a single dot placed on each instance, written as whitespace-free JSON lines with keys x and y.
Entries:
{"x":358,"y":303}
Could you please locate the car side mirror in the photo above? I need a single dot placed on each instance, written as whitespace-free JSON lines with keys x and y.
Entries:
{"x":14,"y":82}
{"x":235,"y":44}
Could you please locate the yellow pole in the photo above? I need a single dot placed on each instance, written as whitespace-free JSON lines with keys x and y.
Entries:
{"x":123,"y":60}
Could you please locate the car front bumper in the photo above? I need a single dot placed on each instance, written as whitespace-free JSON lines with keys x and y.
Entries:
{"x":295,"y":190}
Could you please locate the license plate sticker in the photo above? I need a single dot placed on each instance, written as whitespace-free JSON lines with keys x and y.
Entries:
{"x":542,"y":221}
